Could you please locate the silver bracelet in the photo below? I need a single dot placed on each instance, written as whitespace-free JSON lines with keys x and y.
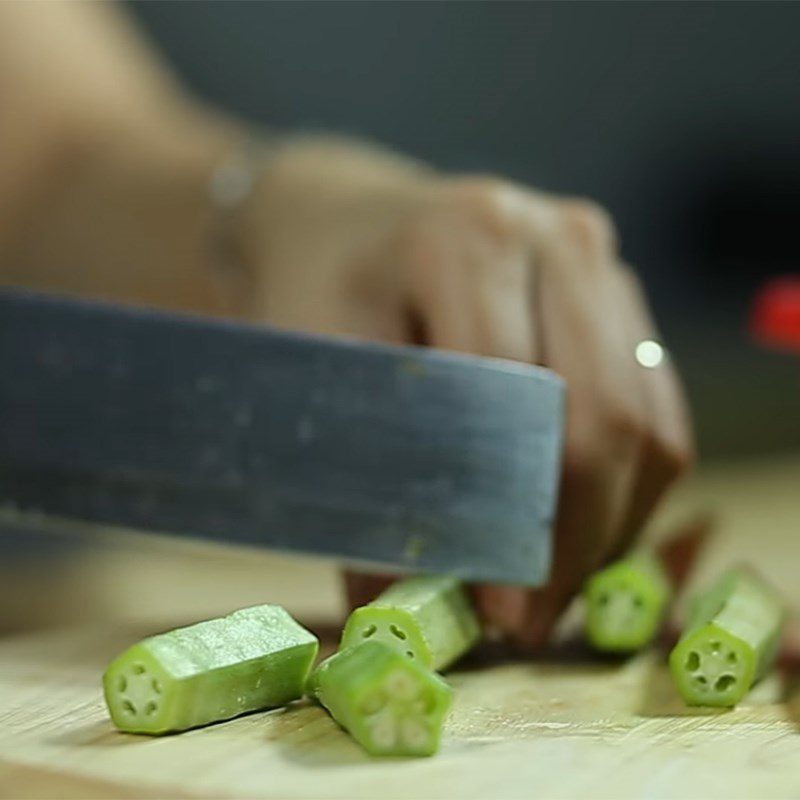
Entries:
{"x":230,"y":188}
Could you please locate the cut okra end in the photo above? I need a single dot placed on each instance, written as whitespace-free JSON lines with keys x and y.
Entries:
{"x":402,"y":715}
{"x":711,"y":667}
{"x":394,"y":627}
{"x":390,"y":705}
{"x":428,"y":619}
{"x":134,"y":689}
{"x":625,"y":605}
{"x":731,"y":640}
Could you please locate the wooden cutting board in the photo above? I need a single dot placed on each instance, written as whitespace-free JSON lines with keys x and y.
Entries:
{"x":562,"y":726}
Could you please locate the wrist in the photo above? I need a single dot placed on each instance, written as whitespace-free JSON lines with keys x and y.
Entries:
{"x":319,"y":199}
{"x":126,"y":216}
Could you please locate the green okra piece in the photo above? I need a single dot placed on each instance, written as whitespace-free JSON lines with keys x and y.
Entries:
{"x":391,"y":705}
{"x":252,"y":659}
{"x":626,"y":603}
{"x":429,"y":619}
{"x":730,"y":641}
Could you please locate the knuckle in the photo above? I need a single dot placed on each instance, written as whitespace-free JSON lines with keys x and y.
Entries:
{"x":489,"y":203}
{"x":589,"y":224}
{"x":599,"y":435}
{"x":676,"y":453}
{"x":623,"y":421}
{"x":418,"y":245}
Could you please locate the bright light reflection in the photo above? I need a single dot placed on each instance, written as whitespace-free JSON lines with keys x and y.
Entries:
{"x":649,"y":354}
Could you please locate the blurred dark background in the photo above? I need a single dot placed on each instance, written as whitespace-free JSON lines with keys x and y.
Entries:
{"x":682,"y":118}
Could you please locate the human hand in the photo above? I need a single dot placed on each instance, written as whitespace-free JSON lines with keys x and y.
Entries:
{"x":352,"y":241}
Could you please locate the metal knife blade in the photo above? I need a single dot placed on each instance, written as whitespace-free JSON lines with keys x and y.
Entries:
{"x":401,"y":457}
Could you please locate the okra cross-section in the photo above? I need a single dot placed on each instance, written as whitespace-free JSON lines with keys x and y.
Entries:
{"x":391,"y":705}
{"x":252,"y":659}
{"x":429,"y":619}
{"x":626,"y":603}
{"x":730,"y":641}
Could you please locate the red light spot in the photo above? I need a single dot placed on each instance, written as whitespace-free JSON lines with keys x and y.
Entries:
{"x":775,"y":318}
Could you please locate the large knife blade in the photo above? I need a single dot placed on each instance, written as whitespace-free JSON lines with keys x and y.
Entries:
{"x":402,"y":457}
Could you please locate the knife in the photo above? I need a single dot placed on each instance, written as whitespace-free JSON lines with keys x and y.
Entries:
{"x":402,"y":458}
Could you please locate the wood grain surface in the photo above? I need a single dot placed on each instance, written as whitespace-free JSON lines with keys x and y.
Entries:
{"x":561,"y":726}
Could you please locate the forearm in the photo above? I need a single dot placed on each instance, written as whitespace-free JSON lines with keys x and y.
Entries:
{"x":130,"y":220}
{"x":71,"y":74}
{"x":104,"y":162}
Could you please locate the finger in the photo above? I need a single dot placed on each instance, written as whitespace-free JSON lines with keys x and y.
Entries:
{"x":667,"y":443}
{"x":469,"y":294}
{"x":681,"y":550}
{"x":471,"y":288}
{"x":583,"y":337}
{"x":362,"y":588}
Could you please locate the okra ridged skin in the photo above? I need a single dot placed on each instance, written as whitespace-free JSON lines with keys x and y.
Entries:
{"x":730,"y":641}
{"x":391,"y":705}
{"x":429,"y":619}
{"x":626,"y":603}
{"x":253,"y":659}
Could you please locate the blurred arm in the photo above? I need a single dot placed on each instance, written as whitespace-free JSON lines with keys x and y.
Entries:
{"x":104,"y":162}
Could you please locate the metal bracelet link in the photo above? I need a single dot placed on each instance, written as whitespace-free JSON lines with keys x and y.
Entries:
{"x":231,"y":187}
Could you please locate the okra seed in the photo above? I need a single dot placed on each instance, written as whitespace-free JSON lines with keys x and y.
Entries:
{"x":413,"y":733}
{"x":402,"y":686}
{"x":400,"y":634}
{"x":715,"y":647}
{"x":424,"y":704}
{"x":122,"y":684}
{"x":384,"y":731}
{"x":410,"y":653}
{"x":692,"y":661}
{"x":128,"y":706}
{"x":150,"y":708}
{"x":724,"y":682}
{"x":369,"y":631}
{"x":732,"y":658}
{"x":701,"y":679}
{"x":138,"y":669}
{"x":156,"y":686}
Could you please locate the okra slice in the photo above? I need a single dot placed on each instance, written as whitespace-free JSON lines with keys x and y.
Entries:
{"x":391,"y":705}
{"x":730,"y":641}
{"x":429,"y":619}
{"x":626,"y":603}
{"x":252,"y":659}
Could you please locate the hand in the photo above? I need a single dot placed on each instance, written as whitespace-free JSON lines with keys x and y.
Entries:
{"x":355,"y":242}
